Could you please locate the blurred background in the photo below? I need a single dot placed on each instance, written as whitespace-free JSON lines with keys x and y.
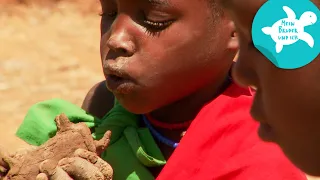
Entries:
{"x":48,"y":49}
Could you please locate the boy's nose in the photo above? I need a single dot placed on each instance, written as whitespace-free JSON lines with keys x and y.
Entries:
{"x":120,"y":40}
{"x":119,"y":45}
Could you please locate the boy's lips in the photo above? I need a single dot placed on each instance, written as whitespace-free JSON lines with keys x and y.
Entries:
{"x":119,"y":85}
{"x":118,"y":81}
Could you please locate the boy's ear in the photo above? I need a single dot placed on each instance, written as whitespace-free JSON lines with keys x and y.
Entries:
{"x":233,"y":42}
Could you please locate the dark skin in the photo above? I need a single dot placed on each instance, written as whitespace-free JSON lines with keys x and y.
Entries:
{"x":165,"y":58}
{"x":99,"y":100}
{"x":287,"y":102}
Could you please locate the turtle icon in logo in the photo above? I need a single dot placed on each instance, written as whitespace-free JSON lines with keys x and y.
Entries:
{"x":289,"y":30}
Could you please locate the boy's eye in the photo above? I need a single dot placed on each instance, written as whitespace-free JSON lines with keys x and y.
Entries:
{"x":155,"y":26}
{"x":109,"y":9}
{"x":111,"y":14}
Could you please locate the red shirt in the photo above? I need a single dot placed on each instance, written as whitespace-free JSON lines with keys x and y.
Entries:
{"x":222,"y":144}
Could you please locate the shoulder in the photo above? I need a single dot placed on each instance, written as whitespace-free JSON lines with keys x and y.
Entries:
{"x":236,"y":142}
{"x":264,"y":161}
{"x":230,"y":108}
{"x":99,"y":100}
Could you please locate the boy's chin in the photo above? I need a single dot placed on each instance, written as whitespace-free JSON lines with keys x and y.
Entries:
{"x":312,"y":169}
{"x":304,"y":157}
{"x":133,"y":106}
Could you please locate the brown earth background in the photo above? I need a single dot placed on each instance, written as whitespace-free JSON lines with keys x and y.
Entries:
{"x":48,"y":49}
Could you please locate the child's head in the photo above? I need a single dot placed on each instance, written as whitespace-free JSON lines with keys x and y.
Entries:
{"x":287,"y":102}
{"x":156,"y":52}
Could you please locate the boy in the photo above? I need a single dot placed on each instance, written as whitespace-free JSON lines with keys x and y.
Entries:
{"x":169,"y":62}
{"x":287,"y":101}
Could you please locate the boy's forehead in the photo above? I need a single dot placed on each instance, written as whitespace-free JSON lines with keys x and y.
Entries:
{"x":154,"y":2}
{"x":242,"y":4}
{"x":161,"y":2}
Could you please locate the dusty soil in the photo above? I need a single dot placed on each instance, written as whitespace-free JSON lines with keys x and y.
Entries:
{"x":44,"y":53}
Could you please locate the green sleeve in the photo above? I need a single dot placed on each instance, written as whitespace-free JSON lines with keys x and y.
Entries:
{"x":38,"y":125}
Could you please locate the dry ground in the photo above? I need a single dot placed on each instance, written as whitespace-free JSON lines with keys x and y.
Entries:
{"x":44,"y":53}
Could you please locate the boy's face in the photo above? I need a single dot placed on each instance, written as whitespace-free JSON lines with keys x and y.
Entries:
{"x":287,"y":102}
{"x":155,"y":52}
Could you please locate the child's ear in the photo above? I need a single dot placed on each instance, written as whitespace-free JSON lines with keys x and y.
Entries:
{"x":233,"y":42}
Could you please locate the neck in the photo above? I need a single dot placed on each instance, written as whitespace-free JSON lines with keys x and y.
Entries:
{"x":187,"y":108}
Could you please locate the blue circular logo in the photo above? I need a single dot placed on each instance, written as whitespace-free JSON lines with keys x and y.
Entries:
{"x":287,"y":32}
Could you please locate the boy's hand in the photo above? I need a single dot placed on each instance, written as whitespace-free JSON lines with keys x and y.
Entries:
{"x":84,"y":165}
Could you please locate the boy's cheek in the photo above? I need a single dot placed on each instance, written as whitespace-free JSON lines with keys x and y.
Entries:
{"x":104,"y":28}
{"x":104,"y":45}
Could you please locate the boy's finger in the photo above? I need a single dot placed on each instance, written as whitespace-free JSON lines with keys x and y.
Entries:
{"x":52,"y":171}
{"x":60,"y":174}
{"x":102,"y":165}
{"x":48,"y":167}
{"x":80,"y":169}
{"x":42,"y":176}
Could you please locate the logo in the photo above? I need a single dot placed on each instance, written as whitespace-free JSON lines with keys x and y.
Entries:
{"x":287,"y":32}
